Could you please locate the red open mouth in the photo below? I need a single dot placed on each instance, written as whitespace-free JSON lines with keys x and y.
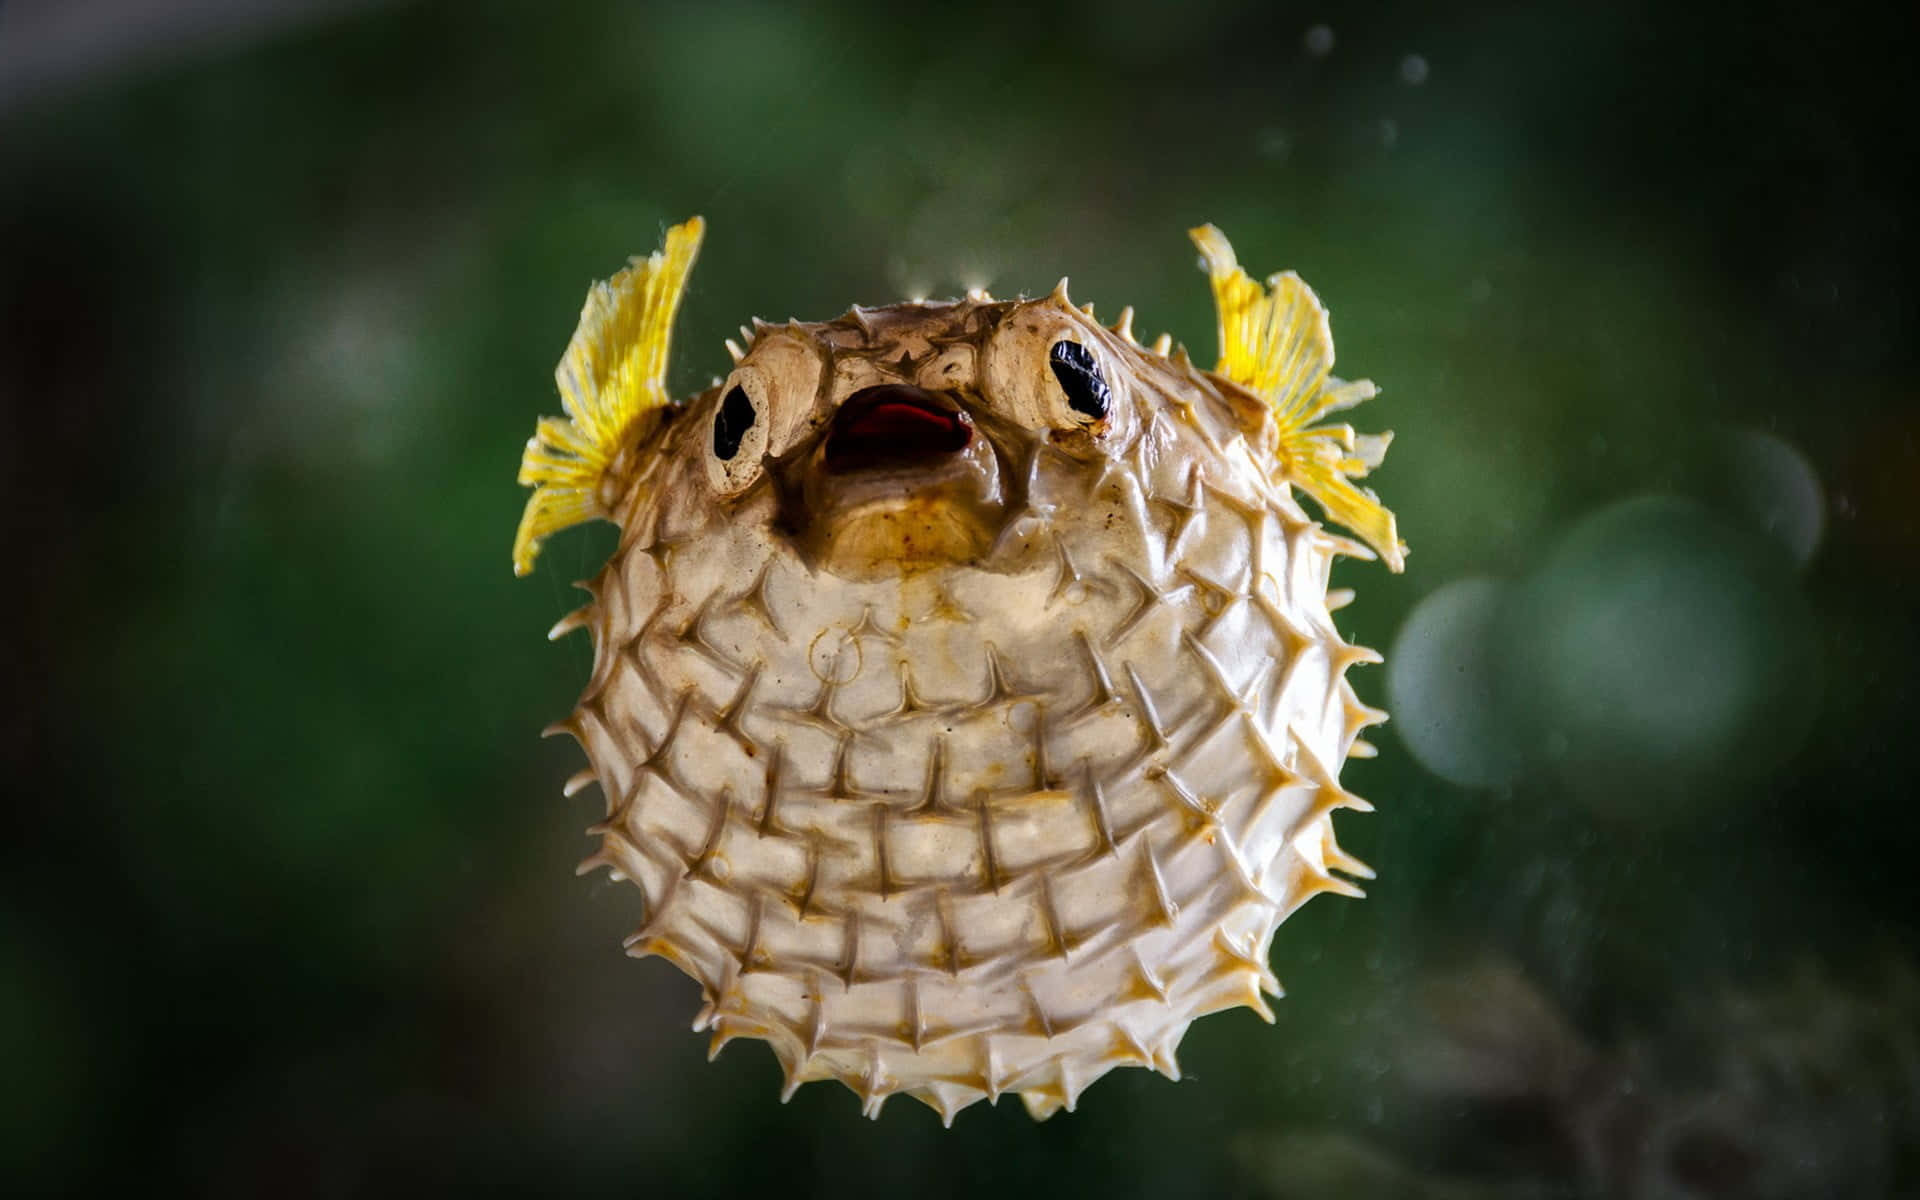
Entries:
{"x":894,"y":426}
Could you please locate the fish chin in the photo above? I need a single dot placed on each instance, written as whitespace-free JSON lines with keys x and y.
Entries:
{"x":999,"y":822}
{"x":903,"y":536}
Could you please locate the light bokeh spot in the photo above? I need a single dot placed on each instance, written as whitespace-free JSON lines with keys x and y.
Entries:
{"x":1443,"y":680}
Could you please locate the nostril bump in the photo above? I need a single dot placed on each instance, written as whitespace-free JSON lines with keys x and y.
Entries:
{"x":894,"y":425}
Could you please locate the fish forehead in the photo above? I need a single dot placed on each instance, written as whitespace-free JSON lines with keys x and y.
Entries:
{"x":931,"y":344}
{"x":938,"y":345}
{"x":871,"y":332}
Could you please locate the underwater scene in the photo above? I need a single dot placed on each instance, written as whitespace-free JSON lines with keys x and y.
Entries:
{"x":993,"y":600}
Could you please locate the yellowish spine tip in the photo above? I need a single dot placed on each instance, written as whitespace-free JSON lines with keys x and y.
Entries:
{"x":1258,"y":1003}
{"x":579,"y":618}
{"x":946,"y":1104}
{"x":1164,"y":1061}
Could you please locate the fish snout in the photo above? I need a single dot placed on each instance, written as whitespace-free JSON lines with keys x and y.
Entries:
{"x":902,"y":477}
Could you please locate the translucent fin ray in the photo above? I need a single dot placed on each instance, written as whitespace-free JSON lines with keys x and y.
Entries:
{"x":1276,"y":342}
{"x":613,"y":373}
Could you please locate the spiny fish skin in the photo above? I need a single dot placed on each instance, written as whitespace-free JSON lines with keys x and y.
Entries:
{"x":960,"y":740}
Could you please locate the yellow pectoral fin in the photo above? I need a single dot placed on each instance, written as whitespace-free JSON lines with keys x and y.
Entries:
{"x":1321,"y":471}
{"x":1274,"y":341}
{"x":1277,"y":342}
{"x":613,"y":373}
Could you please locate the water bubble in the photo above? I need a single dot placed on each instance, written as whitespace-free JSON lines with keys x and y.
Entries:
{"x":1413,"y":70}
{"x":1442,"y":678}
{"x":1670,"y":652}
{"x":1773,"y":487}
{"x":1319,"y":41}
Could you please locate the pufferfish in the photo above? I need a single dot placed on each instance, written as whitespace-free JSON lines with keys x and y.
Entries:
{"x":966,"y":698}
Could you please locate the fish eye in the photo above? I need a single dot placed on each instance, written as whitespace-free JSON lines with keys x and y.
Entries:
{"x":1048,"y":368}
{"x":1079,"y":377}
{"x":737,"y":438}
{"x":759,"y":411}
{"x":731,"y":423}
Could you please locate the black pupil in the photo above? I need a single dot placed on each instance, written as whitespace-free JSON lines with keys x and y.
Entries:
{"x":736,"y":417}
{"x":1080,"y":379}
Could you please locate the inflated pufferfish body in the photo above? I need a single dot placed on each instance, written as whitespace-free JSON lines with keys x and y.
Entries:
{"x":965,"y":697}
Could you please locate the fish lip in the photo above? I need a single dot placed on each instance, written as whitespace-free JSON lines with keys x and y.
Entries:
{"x":964,"y":487}
{"x":895,"y":428}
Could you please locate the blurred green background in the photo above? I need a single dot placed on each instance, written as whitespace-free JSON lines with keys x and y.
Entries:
{"x":288,"y":902}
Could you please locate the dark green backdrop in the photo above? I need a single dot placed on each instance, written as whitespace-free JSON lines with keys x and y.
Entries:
{"x":288,"y":905}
